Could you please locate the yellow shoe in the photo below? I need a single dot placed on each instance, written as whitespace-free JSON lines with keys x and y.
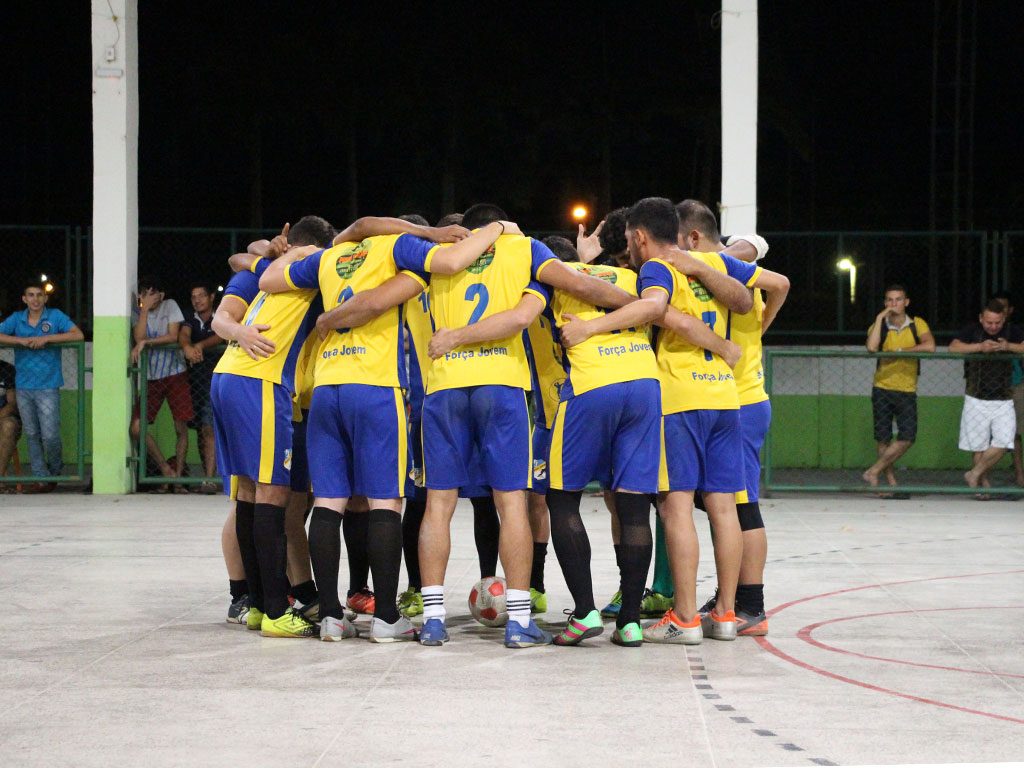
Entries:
{"x":289,"y":624}
{"x":538,"y":601}
{"x":254,"y":619}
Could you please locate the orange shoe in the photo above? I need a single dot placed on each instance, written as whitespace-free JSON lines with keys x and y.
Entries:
{"x":672,"y":629}
{"x":719,"y":627}
{"x":362,"y":601}
{"x":751,"y":624}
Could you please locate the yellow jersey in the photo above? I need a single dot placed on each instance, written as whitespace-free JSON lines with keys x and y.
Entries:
{"x":607,"y":358}
{"x":547,"y":374}
{"x":894,"y":374}
{"x":417,"y":323}
{"x":693,"y":378}
{"x":494,"y":283}
{"x":304,"y":376}
{"x":373,"y":353}
{"x":749,"y":371}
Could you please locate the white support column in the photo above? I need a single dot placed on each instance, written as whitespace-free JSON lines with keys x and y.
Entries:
{"x":115,"y":233}
{"x":739,"y":116}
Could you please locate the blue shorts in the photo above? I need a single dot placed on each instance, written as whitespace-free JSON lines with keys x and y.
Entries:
{"x":491,"y":420}
{"x":611,"y":434}
{"x":541,"y":449}
{"x":359,"y":438}
{"x":703,"y":452}
{"x":253,"y":428}
{"x":754,"y":422}
{"x":300,"y":460}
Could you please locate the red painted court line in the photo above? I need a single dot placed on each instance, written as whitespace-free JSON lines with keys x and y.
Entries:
{"x":768,"y":646}
{"x":805,"y":634}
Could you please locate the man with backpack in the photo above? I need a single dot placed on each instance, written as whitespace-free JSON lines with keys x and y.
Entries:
{"x":894,"y":394}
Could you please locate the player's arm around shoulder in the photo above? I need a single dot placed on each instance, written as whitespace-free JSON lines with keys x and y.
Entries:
{"x":500,"y":325}
{"x":649,"y":308}
{"x":588,"y":288}
{"x":696,"y":332}
{"x":719,"y":278}
{"x":367,"y":306}
{"x":776,"y":288}
{"x":279,"y":278}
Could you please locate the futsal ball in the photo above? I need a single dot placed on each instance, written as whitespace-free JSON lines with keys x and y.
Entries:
{"x":487,"y":602}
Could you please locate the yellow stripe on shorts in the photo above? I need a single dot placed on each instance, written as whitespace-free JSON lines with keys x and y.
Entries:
{"x":555,"y":454}
{"x":267,"y":436}
{"x":663,"y":462}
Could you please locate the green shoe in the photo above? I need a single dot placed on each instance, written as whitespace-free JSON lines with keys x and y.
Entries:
{"x":611,"y":611}
{"x":538,"y":601}
{"x":654,"y":604}
{"x":410,"y":603}
{"x":577,"y":630}
{"x":630,"y":636}
{"x":289,"y":624}
{"x":254,"y":620}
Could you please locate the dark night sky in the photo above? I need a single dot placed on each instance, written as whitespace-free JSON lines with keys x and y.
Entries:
{"x":250,"y":115}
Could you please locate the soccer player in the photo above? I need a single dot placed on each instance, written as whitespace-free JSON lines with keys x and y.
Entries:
{"x":362,"y":450}
{"x":698,"y":231}
{"x":252,"y":400}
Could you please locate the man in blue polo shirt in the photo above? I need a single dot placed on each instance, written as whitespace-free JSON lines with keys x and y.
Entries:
{"x":39,"y":377}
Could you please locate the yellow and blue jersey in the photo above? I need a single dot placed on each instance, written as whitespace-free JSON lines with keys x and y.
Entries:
{"x":245,"y":286}
{"x":607,"y":358}
{"x":291,"y":316}
{"x":749,"y":371}
{"x":693,"y":378}
{"x":373,"y":353}
{"x":494,"y":283}
{"x":418,"y":324}
{"x":547,"y":371}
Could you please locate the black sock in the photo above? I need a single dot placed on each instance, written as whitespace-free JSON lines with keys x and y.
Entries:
{"x":272,"y":551}
{"x":237,"y":587}
{"x":244,"y":511}
{"x":750,"y":597}
{"x":411,"y":522}
{"x":618,"y":562}
{"x":540,"y":552}
{"x":637,"y":546}
{"x":572,"y":546}
{"x":384,"y":549}
{"x":325,"y":554}
{"x":486,"y":530}
{"x":354,"y":526}
{"x":305,"y":592}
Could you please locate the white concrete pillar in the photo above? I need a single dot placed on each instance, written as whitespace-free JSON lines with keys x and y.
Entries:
{"x":739,"y":116}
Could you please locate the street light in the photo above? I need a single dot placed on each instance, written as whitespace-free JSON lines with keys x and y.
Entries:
{"x":579,"y":213}
{"x":846,"y":264}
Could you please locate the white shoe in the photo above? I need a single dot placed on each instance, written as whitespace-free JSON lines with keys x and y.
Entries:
{"x":382,"y":632}
{"x":333,"y":630}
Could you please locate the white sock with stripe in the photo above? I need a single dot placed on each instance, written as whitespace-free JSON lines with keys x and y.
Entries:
{"x":433,"y":602}
{"x":517,"y":603}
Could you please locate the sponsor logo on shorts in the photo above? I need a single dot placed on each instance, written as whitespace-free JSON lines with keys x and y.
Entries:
{"x":416,"y":475}
{"x":540,"y":469}
{"x":351,"y":259}
{"x":288,"y":459}
{"x":482,"y":263}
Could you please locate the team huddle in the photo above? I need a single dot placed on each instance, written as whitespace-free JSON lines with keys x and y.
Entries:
{"x":396,"y":361}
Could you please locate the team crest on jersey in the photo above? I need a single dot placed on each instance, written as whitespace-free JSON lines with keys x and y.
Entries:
{"x":540,"y":469}
{"x":351,"y":259}
{"x":288,"y":459}
{"x":606,"y":274}
{"x":482,"y":263}
{"x":45,"y":326}
{"x":702,"y":293}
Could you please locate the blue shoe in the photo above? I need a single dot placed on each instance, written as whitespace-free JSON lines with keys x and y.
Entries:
{"x":518,"y":636}
{"x":433,"y":632}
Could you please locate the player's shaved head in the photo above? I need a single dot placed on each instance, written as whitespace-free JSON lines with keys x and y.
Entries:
{"x":695,"y":215}
{"x":657,"y":217}
{"x":311,"y":230}
{"x":415,"y":218}
{"x":482,"y":214}
{"x":562,"y":247}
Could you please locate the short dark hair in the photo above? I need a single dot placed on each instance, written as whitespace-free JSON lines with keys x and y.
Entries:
{"x":147,"y":282}
{"x":897,"y":287}
{"x":33,"y":284}
{"x":311,"y":230}
{"x":693,"y":214}
{"x":415,"y":218}
{"x":449,"y":219}
{"x":1003,"y":295}
{"x":482,"y":214}
{"x":205,"y":286}
{"x":657,"y":216}
{"x":613,"y":234}
{"x":562,"y":247}
{"x":994,"y":305}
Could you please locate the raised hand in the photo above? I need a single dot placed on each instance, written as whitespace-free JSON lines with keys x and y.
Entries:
{"x":589,"y":246}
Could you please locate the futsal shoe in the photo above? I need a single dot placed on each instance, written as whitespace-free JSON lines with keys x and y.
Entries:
{"x":382,"y":632}
{"x":309,"y":611}
{"x":751,"y":624}
{"x":538,"y":601}
{"x":654,"y":604}
{"x":362,"y":601}
{"x":254,"y":619}
{"x":433,"y":632}
{"x":577,"y":630}
{"x":518,"y":636}
{"x":333,"y":630}
{"x":410,"y":603}
{"x":719,"y":627}
{"x":291,"y":623}
{"x":611,"y":611}
{"x":673,"y":630}
{"x":238,"y":611}
{"x":629,"y":636}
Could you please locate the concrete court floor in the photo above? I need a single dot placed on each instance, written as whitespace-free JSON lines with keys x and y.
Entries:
{"x":896,"y":638}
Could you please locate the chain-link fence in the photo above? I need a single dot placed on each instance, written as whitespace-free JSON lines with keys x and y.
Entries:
{"x":834,"y":428}
{"x":44,"y":416}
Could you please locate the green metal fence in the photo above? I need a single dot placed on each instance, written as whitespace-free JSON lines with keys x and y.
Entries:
{"x":822,"y":438}
{"x":74,"y":408}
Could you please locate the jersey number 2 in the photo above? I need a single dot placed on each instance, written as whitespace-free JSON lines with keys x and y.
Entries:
{"x":479,"y":294}
{"x":344,"y":296}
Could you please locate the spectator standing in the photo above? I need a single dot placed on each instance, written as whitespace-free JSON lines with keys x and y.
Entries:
{"x":10,"y":423}
{"x":1017,"y":391}
{"x":894,"y":392}
{"x":39,"y":377}
{"x":198,"y":343}
{"x":988,"y":423}
{"x":156,"y":324}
